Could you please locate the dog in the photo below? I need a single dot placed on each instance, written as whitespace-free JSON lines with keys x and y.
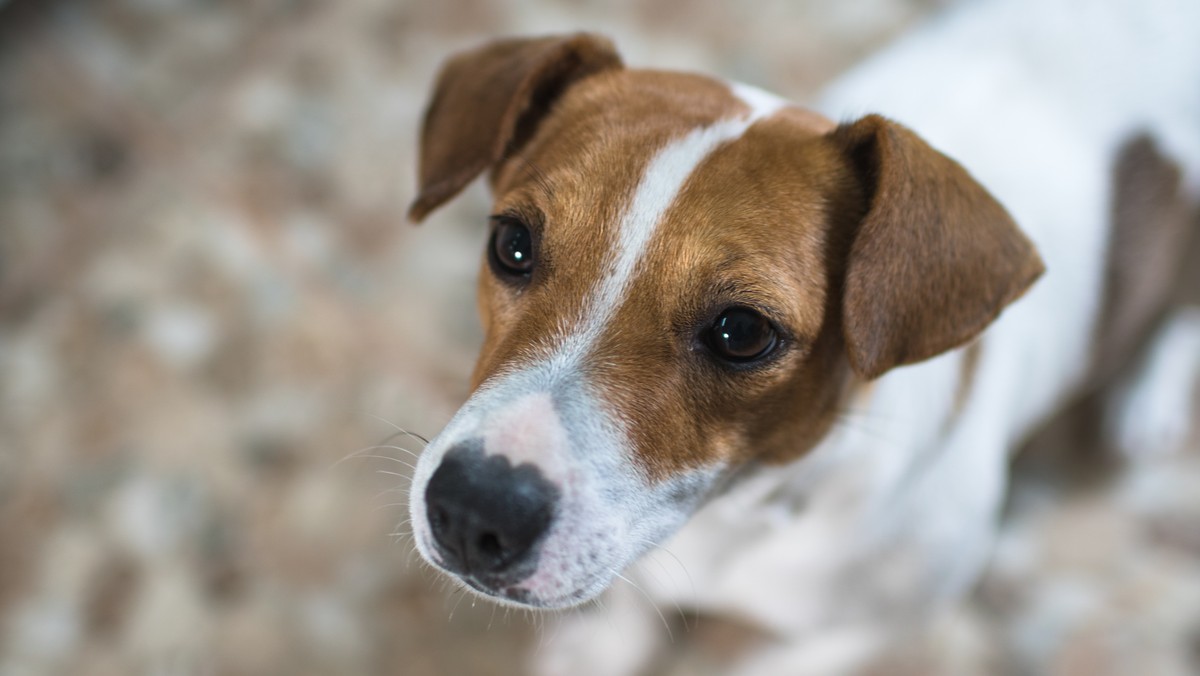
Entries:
{"x":802,"y":352}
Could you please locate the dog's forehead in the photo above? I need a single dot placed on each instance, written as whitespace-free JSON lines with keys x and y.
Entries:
{"x":637,"y":164}
{"x":603,"y":132}
{"x":593,"y":152}
{"x":751,"y":216}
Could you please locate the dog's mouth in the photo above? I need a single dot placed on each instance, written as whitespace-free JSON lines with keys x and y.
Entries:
{"x":526,"y":598}
{"x":511,"y":594}
{"x":535,"y":587}
{"x":594,"y":535}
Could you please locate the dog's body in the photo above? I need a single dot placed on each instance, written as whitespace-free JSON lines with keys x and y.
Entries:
{"x":836,"y":493}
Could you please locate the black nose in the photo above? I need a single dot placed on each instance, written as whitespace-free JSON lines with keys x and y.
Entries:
{"x":485,"y":514}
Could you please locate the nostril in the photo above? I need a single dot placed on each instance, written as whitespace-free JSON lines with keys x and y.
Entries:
{"x":437,"y":517}
{"x":489,"y":545}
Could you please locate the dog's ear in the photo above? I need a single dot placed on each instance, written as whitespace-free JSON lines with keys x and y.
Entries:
{"x":935,"y":258}
{"x":488,"y":101}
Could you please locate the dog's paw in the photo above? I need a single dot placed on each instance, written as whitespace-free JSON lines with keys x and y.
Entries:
{"x":1153,"y":412}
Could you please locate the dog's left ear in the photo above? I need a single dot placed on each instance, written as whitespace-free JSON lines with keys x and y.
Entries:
{"x":488,"y":102}
{"x":935,"y":258}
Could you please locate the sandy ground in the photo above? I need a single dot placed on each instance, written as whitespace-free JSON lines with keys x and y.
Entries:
{"x":209,"y":296}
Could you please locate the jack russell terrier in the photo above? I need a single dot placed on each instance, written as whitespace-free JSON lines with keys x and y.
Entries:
{"x":799,"y":352}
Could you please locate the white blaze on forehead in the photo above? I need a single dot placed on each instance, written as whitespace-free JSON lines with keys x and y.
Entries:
{"x":664,"y":177}
{"x":762,"y":103}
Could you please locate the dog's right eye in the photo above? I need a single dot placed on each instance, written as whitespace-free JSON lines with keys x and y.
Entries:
{"x":740,"y":335}
{"x":511,"y":249}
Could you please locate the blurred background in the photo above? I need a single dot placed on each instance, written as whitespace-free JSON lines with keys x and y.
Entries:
{"x":210,"y":300}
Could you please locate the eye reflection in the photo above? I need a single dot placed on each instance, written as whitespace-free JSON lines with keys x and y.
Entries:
{"x":740,"y":335}
{"x":511,"y":248}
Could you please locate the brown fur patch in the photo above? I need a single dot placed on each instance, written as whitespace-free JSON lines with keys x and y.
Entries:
{"x":966,"y":376}
{"x":1150,"y":226}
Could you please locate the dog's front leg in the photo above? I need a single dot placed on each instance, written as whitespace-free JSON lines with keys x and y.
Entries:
{"x":617,"y":636}
{"x":1152,"y":411}
{"x":833,"y":650}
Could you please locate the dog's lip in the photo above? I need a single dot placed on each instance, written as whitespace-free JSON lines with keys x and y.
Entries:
{"x":500,"y":590}
{"x":515,"y":594}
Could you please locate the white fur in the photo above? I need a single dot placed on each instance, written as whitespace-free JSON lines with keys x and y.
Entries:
{"x":899,"y":505}
{"x":762,"y":103}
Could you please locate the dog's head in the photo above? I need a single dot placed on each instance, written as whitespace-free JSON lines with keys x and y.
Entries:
{"x":681,"y":277}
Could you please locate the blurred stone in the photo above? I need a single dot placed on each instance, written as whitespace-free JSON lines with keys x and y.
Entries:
{"x":181,"y":336}
{"x":109,"y":599}
{"x":208,"y":289}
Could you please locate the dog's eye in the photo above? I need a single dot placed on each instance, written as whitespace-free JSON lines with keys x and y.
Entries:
{"x":740,"y":334}
{"x":511,"y":248}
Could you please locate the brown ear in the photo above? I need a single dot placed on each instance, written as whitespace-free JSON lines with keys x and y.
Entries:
{"x":934,"y":260}
{"x":488,"y":101}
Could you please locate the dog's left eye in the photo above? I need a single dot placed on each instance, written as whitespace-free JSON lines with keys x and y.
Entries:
{"x":511,"y":249}
{"x":741,"y":335}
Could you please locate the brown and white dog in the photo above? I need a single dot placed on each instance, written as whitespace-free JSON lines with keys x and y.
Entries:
{"x":716,"y":317}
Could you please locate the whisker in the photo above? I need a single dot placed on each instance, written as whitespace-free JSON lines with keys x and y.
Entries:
{"x":390,"y":504}
{"x":541,"y":636}
{"x":666,"y":625}
{"x":461,"y":596}
{"x":656,"y":547}
{"x":359,"y":452}
{"x":388,"y":439}
{"x":394,"y":447}
{"x":402,"y":476}
{"x":398,"y":428}
{"x":402,"y":490}
{"x":386,"y":457}
{"x":604,"y":612}
{"x":540,"y":618}
{"x":657,"y":580}
{"x":560,"y":618}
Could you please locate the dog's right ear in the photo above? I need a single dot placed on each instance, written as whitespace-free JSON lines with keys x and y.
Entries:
{"x":935,"y":258}
{"x":488,"y":102}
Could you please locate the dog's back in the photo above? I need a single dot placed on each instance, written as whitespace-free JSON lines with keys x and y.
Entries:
{"x":1084,"y":120}
{"x":1065,"y":114}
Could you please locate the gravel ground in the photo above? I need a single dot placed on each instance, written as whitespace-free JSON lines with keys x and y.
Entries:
{"x":209,"y":299}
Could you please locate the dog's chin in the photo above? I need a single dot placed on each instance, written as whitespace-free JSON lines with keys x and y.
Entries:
{"x":516,"y":596}
{"x":517,"y":593}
